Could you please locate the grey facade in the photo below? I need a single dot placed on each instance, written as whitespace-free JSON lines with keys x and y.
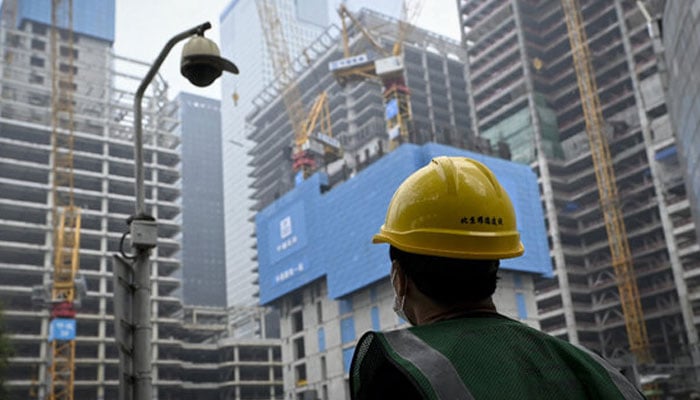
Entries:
{"x":681,"y":39}
{"x":525,"y":91}
{"x":104,"y":190}
{"x":203,"y":253}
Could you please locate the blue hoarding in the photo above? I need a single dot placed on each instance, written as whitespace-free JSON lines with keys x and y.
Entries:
{"x":333,"y":230}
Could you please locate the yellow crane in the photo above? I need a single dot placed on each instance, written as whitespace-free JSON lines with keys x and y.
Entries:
{"x":607,"y":186}
{"x":305,"y":157}
{"x":65,"y":215}
{"x":317,"y":139}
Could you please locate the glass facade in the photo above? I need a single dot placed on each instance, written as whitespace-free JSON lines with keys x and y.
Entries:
{"x":203,"y":261}
{"x":681,"y":39}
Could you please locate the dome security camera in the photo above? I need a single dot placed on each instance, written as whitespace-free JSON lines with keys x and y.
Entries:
{"x":201,"y":62}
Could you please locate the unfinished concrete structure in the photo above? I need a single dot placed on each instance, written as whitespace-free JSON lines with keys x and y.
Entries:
{"x":525,"y":92}
{"x":435,"y":75}
{"x":187,"y":355}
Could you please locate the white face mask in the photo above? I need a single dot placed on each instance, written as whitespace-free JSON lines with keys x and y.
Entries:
{"x":398,"y":301}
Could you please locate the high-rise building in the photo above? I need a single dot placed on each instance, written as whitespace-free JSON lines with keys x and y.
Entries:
{"x":526,"y":92}
{"x":434,"y":73}
{"x":242,"y":38}
{"x":681,"y":42}
{"x":203,"y":258}
{"x":103,"y":180}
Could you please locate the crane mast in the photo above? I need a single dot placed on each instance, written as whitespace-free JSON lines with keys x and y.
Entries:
{"x":389,"y":70}
{"x":607,"y":186}
{"x":305,"y":151}
{"x":282,"y":65}
{"x":65,"y":215}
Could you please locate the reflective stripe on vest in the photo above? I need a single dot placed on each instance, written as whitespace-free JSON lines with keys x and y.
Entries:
{"x":439,"y":371}
{"x":623,"y":385}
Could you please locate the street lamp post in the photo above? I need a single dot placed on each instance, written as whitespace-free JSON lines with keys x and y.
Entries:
{"x":201,"y":64}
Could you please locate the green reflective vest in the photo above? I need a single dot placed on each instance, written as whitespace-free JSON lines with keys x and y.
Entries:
{"x":484,"y":356}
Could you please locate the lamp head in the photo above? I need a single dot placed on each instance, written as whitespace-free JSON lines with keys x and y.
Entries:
{"x":201,"y":62}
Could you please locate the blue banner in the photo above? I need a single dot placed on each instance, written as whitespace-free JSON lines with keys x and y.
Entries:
{"x":62,"y":329}
{"x":392,"y":109}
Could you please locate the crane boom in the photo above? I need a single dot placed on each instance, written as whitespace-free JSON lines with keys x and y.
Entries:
{"x":304,"y":158}
{"x":65,"y":215}
{"x":607,"y":186}
{"x":282,"y":65}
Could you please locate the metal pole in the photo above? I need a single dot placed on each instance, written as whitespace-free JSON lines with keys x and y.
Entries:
{"x":143,"y":330}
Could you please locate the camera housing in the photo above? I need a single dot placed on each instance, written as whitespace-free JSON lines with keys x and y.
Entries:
{"x":201,"y":62}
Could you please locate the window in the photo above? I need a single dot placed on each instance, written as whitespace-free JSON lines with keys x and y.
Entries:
{"x":347,"y":358}
{"x":297,"y":322}
{"x":39,"y":29}
{"x":299,"y":348}
{"x":35,"y":78}
{"x":68,"y":69}
{"x":37,"y":62}
{"x":347,"y":330}
{"x":375,"y":318}
{"x":65,"y":52}
{"x":67,"y":85}
{"x":319,"y":312}
{"x":522,"y":307}
{"x":324,"y":369}
{"x":345,"y":305}
{"x":518,"y":281}
{"x":300,"y":375}
{"x":321,"y":340}
{"x":38,"y":45}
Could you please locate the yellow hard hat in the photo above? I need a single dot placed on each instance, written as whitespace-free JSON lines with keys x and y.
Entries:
{"x":453,"y":207}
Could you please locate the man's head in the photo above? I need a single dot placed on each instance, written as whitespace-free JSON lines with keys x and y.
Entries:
{"x":448,"y":225}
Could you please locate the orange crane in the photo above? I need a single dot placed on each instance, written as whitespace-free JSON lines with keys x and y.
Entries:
{"x":65,"y":215}
{"x":607,"y":186}
{"x":305,"y":157}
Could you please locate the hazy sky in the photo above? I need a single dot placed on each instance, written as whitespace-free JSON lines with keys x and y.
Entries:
{"x":143,"y":28}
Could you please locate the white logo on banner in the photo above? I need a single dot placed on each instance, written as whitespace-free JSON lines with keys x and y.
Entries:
{"x":285,"y":227}
{"x":285,"y":233}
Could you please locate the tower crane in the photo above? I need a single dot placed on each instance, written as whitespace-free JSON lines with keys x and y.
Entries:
{"x":607,"y":186}
{"x":304,"y":152}
{"x":65,"y":215}
{"x":388,"y":69}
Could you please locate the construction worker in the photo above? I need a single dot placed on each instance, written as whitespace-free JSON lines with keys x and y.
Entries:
{"x":443,"y":269}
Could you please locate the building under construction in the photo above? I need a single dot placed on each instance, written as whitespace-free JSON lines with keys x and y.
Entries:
{"x":526,"y":91}
{"x":435,"y":75}
{"x":190,"y":360}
